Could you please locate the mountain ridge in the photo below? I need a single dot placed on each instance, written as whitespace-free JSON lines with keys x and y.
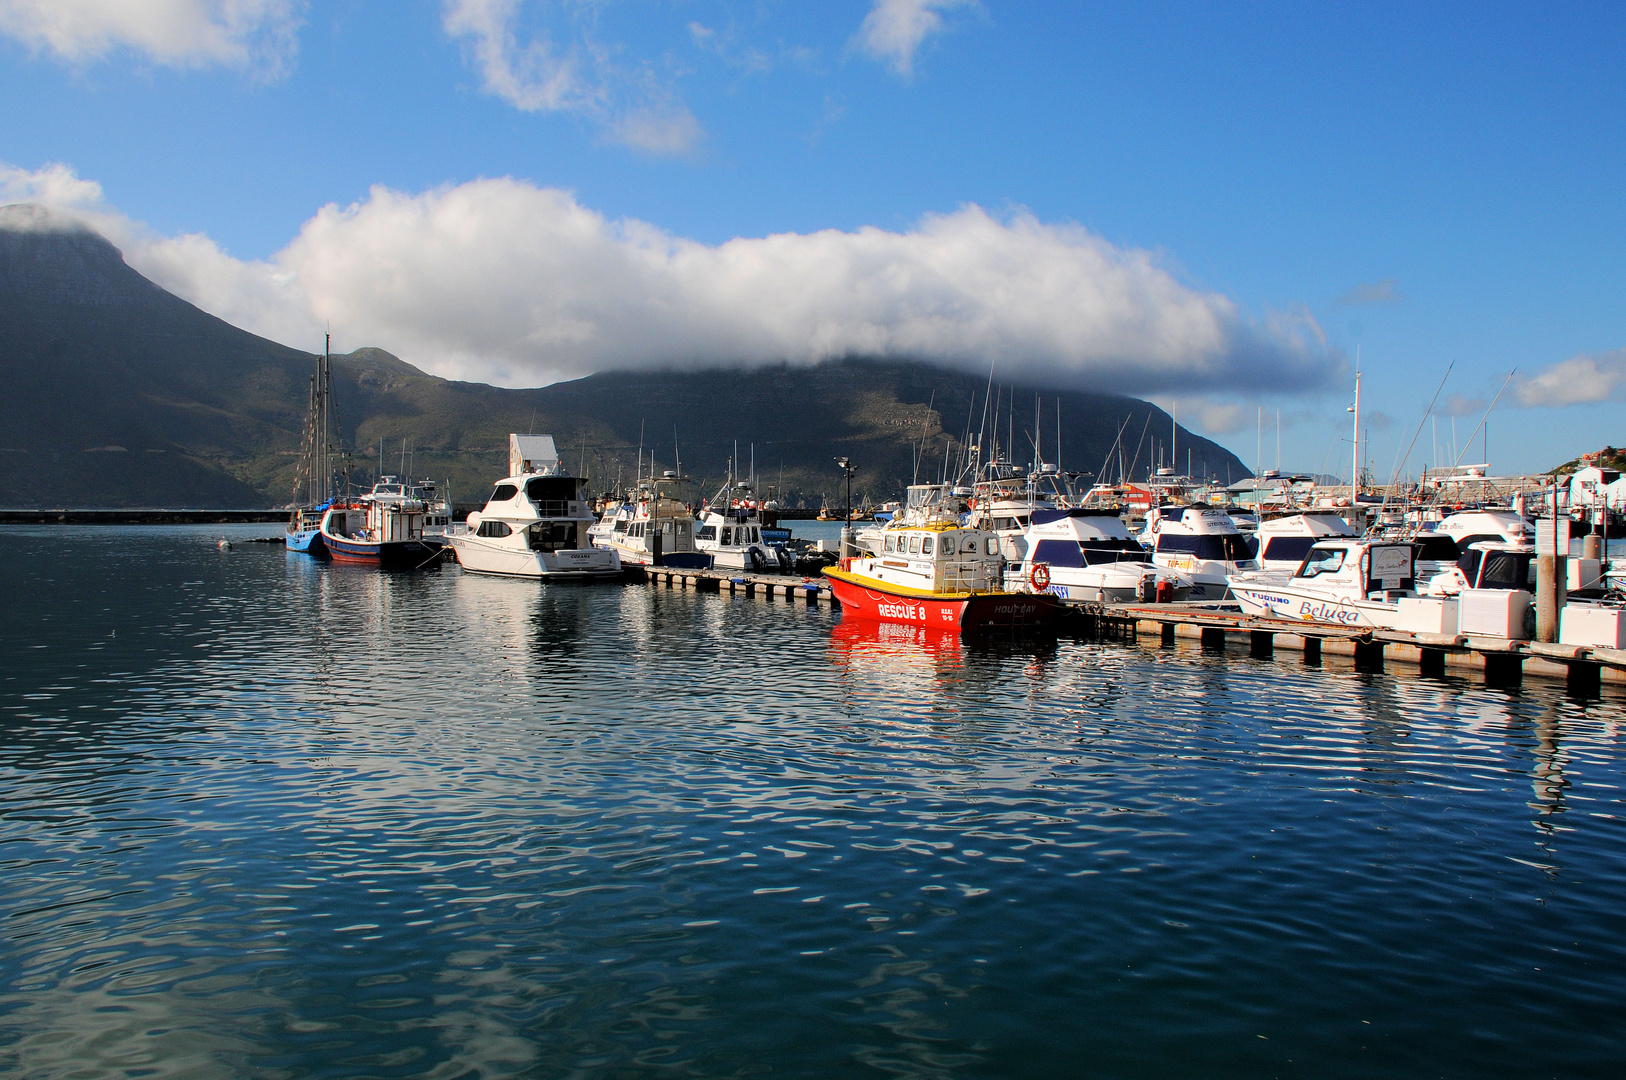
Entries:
{"x":123,"y":394}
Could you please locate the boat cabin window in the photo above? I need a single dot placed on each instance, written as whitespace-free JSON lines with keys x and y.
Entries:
{"x":926,"y":545}
{"x":1066,"y":554}
{"x":1495,"y":569}
{"x":493,"y":528}
{"x":992,"y":545}
{"x":1287,"y":548}
{"x":620,"y":527}
{"x":1437,"y":548}
{"x":728,"y":535}
{"x":890,"y":542}
{"x":1322,"y":561}
{"x":555,"y":489}
{"x":503,"y":493}
{"x":1215,"y":547}
{"x":707,"y":532}
{"x":553,"y":536}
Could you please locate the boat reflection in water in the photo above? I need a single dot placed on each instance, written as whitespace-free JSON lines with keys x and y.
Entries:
{"x":895,"y":647}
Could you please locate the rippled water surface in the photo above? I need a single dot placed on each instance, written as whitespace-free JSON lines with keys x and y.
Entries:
{"x":264,"y":816}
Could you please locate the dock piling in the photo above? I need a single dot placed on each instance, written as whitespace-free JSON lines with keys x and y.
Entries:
{"x":1368,"y":655}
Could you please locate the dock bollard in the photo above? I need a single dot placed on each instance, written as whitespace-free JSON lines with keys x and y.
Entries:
{"x":1551,"y":584}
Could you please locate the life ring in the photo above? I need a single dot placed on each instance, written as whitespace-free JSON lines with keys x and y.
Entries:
{"x":1039,"y":577}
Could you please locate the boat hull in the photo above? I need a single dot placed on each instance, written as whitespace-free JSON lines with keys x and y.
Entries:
{"x":580,"y":564}
{"x":307,"y":541}
{"x":389,"y":555}
{"x":1282,"y":601}
{"x":677,"y":560}
{"x":866,"y":599}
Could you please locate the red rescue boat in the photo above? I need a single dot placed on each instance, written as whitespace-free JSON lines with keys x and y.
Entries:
{"x":936,"y":573}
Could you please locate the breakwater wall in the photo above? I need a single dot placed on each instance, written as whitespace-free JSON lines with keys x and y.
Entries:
{"x":138,"y":517}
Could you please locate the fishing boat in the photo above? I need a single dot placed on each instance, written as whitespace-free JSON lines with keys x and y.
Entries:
{"x":655,"y":527}
{"x":730,"y":531}
{"x":1087,"y":556}
{"x":937,"y":573}
{"x":1348,"y":582}
{"x":313,"y":484}
{"x":1284,"y":541}
{"x":1004,"y":499}
{"x":1201,"y":543}
{"x":1486,"y":564}
{"x":382,"y":528}
{"x":534,"y":525}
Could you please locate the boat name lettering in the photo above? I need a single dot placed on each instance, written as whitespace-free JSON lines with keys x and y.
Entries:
{"x":1324,"y":612}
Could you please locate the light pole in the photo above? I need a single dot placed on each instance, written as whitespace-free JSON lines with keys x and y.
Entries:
{"x":847,"y":545}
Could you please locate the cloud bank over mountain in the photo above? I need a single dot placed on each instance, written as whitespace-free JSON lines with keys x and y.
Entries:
{"x":500,"y":280}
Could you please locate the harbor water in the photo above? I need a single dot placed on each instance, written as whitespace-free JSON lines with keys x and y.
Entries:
{"x":264,"y":816}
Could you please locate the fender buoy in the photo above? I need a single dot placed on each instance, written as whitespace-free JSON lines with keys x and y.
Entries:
{"x":1039,"y":577}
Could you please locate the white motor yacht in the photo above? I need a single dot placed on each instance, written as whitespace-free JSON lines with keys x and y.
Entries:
{"x":1088,"y":556}
{"x":534,"y":525}
{"x":1201,"y":543}
{"x":1349,"y":582}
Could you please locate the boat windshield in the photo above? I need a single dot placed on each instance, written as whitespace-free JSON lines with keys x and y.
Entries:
{"x":1079,"y":553}
{"x":1436,"y":548}
{"x":1322,"y":561}
{"x":1214,"y":547}
{"x":1287,"y":548}
{"x":1496,"y":569}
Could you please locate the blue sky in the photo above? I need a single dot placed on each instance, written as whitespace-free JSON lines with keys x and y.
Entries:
{"x":1205,"y":204}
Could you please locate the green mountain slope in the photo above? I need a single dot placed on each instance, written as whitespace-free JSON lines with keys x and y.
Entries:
{"x":118,"y":393}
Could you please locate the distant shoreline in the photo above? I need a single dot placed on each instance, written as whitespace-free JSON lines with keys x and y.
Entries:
{"x":60,"y":516}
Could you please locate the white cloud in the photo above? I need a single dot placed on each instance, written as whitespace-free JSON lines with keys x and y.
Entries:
{"x":894,"y":30}
{"x":260,"y":35}
{"x":501,"y":280}
{"x":631,"y":106}
{"x":1580,"y":380}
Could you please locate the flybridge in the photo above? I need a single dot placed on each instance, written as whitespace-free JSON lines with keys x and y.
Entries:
{"x":531,"y":453}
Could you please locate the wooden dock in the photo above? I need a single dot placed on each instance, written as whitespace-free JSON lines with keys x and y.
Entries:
{"x":810,"y":591}
{"x":1502,"y":661}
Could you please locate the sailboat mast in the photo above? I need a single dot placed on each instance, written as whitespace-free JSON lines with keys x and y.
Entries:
{"x":326,"y":391}
{"x":1355,"y":463}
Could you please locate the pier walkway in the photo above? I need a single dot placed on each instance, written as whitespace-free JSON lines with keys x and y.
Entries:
{"x":792,"y":587}
{"x":1502,"y":661}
